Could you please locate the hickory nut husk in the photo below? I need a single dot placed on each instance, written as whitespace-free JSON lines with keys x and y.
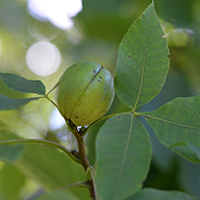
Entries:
{"x":85,"y":92}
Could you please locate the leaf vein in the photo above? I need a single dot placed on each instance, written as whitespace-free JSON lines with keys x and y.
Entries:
{"x":155,"y":65}
{"x":175,"y":123}
{"x":127,"y":95}
{"x":143,"y":67}
{"x":157,"y":56}
{"x":149,"y":75}
{"x":133,"y":50}
{"x":194,"y":117}
{"x":137,"y":41}
{"x":132,"y":72}
{"x":124,"y":155}
{"x":129,"y":84}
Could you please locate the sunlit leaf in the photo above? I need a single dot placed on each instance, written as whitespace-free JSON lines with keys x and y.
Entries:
{"x":21,"y":84}
{"x":7,"y":103}
{"x":54,"y":169}
{"x":154,"y":194}
{"x":177,"y":124}
{"x":11,"y":182}
{"x":142,"y":63}
{"x":60,"y":195}
{"x":123,"y":157}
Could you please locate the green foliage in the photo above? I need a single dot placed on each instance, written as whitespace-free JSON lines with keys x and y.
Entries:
{"x":123,"y":157}
{"x":58,"y":195}
{"x":147,"y":193}
{"x":11,"y":179}
{"x":21,"y":84}
{"x":142,"y":62}
{"x":46,"y":161}
{"x":123,"y":148}
{"x":10,"y":153}
{"x":10,"y":103}
{"x":177,"y":125}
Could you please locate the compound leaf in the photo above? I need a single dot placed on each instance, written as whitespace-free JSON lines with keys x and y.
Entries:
{"x":143,"y":61}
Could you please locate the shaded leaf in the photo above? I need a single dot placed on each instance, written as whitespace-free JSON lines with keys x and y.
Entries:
{"x":10,"y":152}
{"x":142,"y":63}
{"x":176,"y":124}
{"x":21,"y":84}
{"x":123,"y":157}
{"x":148,"y":193}
{"x":11,"y":104}
{"x":195,"y":150}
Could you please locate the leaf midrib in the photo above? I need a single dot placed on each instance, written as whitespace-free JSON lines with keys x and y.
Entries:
{"x":124,"y":157}
{"x":171,"y":122}
{"x":143,"y":66}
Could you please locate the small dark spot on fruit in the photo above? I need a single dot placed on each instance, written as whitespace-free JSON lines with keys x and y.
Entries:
{"x":100,"y":77}
{"x":129,"y":56}
{"x":94,"y":71}
{"x":76,"y":117}
{"x":119,"y":117}
{"x":98,"y":80}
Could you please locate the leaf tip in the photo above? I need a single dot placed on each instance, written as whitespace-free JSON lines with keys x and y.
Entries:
{"x":153,"y":4}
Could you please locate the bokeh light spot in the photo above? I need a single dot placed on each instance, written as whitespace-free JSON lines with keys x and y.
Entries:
{"x":58,"y":12}
{"x":56,"y":120}
{"x":43,"y":58}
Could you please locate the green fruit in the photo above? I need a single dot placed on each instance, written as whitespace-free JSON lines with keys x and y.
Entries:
{"x":85,"y":92}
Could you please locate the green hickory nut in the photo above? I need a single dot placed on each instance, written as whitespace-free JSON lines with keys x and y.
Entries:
{"x":85,"y":92}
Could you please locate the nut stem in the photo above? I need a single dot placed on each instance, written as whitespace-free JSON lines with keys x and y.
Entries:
{"x":83,"y":157}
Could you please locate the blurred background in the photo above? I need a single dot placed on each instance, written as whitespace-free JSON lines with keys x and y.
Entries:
{"x":39,"y":39}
